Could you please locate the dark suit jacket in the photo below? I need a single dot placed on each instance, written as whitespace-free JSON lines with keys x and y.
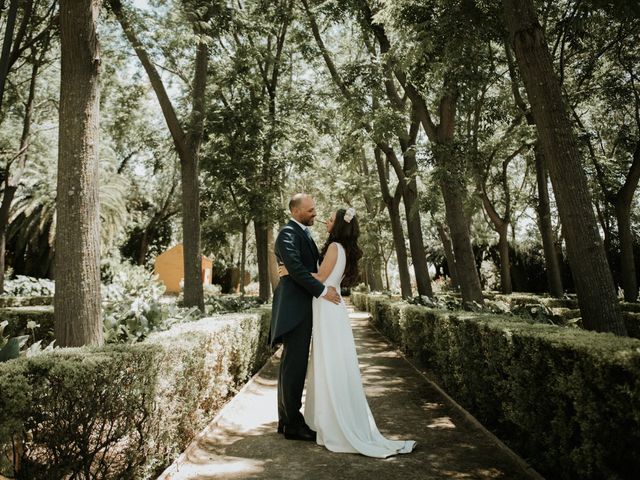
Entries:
{"x":293,"y":295}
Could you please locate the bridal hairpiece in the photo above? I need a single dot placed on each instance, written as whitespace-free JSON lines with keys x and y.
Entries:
{"x":349,"y":214}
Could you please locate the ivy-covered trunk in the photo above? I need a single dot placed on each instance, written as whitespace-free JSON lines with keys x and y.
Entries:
{"x":591,"y":273}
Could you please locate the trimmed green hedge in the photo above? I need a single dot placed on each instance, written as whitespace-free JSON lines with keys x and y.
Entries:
{"x":124,"y":411}
{"x":28,"y":301}
{"x":566,"y":399}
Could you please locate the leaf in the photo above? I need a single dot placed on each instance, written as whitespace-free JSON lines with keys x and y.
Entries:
{"x":3,"y":324}
{"x":12,"y":348}
{"x":34,"y":349}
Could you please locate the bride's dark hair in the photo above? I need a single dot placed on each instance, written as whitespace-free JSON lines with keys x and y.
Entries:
{"x":346,"y":234}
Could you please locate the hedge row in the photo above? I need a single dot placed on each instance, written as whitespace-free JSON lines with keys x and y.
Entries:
{"x":124,"y":411}
{"x":567,"y":400}
{"x":25,"y":301}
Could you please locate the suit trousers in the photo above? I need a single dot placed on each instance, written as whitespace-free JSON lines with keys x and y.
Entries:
{"x":293,"y":371}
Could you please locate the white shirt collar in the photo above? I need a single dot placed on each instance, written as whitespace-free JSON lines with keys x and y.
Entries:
{"x":303,"y":227}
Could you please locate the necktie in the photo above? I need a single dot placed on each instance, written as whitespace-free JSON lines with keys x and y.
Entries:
{"x":308,"y":232}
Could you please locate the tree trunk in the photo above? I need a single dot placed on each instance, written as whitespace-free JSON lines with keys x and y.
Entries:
{"x":7,"y":199}
{"x":371,"y":260}
{"x":412,"y":213}
{"x":627,"y":260}
{"x":554,"y":275}
{"x":505,"y":263}
{"x":193,"y":290}
{"x":623,"y":202}
{"x":262,"y":250}
{"x":463,"y":252}
{"x":187,"y":147}
{"x":144,"y":246}
{"x":386,"y":275}
{"x":374,"y":273}
{"x":591,"y":273}
{"x":393,"y":207}
{"x":77,"y":249}
{"x":243,"y":256}
{"x":452,"y":183}
{"x":448,"y":253}
{"x":399,"y":244}
{"x":6,"y":46}
{"x":501,"y":227}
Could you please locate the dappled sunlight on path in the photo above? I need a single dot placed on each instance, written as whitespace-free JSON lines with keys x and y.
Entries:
{"x":241,"y":442}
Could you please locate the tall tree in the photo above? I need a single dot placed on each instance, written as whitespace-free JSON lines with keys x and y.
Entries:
{"x":187,"y":139}
{"x":31,"y":45}
{"x":591,"y":273}
{"x":77,"y":255}
{"x":605,"y":103}
{"x":355,"y":107}
{"x":393,"y":207}
{"x":12,"y":178}
{"x":6,"y":45}
{"x":543,"y":207}
{"x":450,"y":164}
{"x":270,"y":67}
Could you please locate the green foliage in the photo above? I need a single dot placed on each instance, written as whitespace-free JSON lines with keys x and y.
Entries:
{"x":31,"y":233}
{"x":27,"y":345}
{"x":34,"y":322}
{"x":132,"y":308}
{"x":124,"y":411}
{"x":23,"y":286}
{"x":230,"y":304}
{"x":562,"y":398}
{"x":10,"y":347}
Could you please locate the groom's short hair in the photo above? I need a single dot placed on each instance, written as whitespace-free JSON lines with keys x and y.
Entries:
{"x":296,"y":200}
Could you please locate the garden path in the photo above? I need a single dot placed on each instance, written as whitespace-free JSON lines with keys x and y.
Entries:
{"x":241,"y":442}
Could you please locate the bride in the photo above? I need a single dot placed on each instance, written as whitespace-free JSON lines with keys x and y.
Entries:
{"x":336,"y":406}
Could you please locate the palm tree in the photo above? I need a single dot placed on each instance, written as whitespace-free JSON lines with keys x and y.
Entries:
{"x":31,"y":234}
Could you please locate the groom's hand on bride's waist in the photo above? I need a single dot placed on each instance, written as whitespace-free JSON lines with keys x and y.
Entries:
{"x":332,"y":295}
{"x":282,"y":271}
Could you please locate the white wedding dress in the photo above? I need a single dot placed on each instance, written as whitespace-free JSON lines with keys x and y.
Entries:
{"x":336,"y":406}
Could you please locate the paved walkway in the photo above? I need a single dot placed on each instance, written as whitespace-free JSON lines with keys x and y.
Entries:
{"x":241,"y":442}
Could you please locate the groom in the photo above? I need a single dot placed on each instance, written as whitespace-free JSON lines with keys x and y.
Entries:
{"x":291,"y":316}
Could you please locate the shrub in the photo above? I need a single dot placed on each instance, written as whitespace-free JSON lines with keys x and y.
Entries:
{"x":18,"y":319}
{"x":230,"y":303}
{"x":131,"y":307}
{"x":124,"y":411}
{"x":23,"y":286}
{"x":564,"y":398}
{"x":30,"y":301}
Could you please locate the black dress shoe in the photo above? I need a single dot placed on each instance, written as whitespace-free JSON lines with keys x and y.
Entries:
{"x":280,"y":428}
{"x":300,"y":433}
